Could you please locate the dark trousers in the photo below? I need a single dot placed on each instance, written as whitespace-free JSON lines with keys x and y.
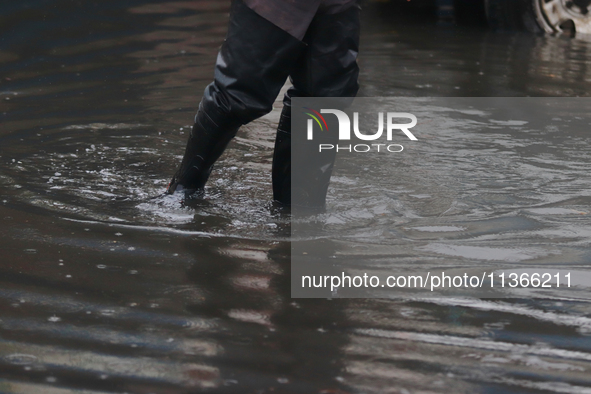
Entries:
{"x":258,"y":56}
{"x":254,"y":62}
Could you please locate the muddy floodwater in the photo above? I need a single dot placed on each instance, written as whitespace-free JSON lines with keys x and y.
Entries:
{"x":107,"y":288}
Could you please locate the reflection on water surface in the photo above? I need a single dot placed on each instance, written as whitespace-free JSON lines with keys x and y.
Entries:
{"x":106,"y":289}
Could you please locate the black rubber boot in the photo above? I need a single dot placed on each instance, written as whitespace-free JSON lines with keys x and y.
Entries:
{"x":281,"y":171}
{"x":311,"y":175}
{"x":206,"y":144}
{"x":252,"y":66}
{"x":327,"y":68}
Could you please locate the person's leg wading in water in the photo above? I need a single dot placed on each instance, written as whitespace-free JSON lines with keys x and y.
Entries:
{"x":314,"y":42}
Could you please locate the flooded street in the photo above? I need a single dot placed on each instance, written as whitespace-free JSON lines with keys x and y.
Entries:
{"x":108,"y":287}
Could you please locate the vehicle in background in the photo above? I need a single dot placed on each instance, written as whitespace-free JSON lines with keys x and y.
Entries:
{"x":551,"y":16}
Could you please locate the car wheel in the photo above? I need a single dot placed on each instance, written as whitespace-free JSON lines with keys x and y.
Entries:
{"x":551,"y":16}
{"x":555,"y":16}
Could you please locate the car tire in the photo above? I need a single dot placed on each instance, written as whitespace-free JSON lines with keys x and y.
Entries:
{"x":557,"y":16}
{"x":550,"y":16}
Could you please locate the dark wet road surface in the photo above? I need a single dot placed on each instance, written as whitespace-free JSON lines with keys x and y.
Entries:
{"x":105,"y":290}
